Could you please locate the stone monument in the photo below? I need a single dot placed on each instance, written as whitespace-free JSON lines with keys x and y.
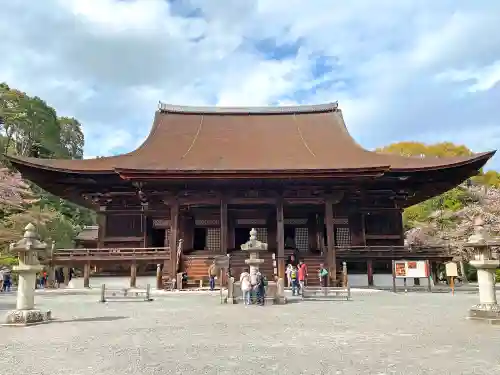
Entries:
{"x":274,"y":290}
{"x":28,"y":249}
{"x":254,"y":246}
{"x":488,"y":309}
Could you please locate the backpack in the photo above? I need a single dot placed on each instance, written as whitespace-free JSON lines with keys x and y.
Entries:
{"x":293,"y":274}
{"x":264,"y":280}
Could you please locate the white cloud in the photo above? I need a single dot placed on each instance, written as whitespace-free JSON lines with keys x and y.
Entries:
{"x":398,"y":68}
{"x":480,"y":79}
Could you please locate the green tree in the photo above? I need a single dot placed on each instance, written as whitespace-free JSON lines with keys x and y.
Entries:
{"x":71,"y":137}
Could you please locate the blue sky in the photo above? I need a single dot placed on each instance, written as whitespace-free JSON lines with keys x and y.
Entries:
{"x":401,"y":70}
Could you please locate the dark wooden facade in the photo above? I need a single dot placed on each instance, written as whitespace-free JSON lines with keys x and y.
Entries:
{"x":208,"y":175}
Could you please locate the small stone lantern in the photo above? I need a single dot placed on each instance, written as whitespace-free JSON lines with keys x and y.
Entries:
{"x":28,"y":249}
{"x":488,"y":309}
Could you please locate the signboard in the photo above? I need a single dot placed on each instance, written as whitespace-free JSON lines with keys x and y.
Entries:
{"x":222,"y":261}
{"x":451,"y":269}
{"x":410,"y":269}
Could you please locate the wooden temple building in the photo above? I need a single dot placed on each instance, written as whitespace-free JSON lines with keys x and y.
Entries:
{"x":208,"y":175}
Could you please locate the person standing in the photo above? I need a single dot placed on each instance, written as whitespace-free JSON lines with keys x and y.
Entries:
{"x":323,"y":276}
{"x":302,"y":275}
{"x":261,"y":288}
{"x":295,"y":281}
{"x":289,"y":269}
{"x":212,"y":274}
{"x":246,"y":287}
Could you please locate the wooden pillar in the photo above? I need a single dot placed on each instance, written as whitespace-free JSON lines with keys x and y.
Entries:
{"x":174,"y":239}
{"x":223,"y":226}
{"x":133,"y":275}
{"x":369,"y":269}
{"x":86,"y":275}
{"x":101,"y":223}
{"x":66,"y":275}
{"x":331,"y":260}
{"x":280,"y":238}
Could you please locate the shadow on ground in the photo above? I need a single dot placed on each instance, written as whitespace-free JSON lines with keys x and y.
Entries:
{"x":93,"y":319}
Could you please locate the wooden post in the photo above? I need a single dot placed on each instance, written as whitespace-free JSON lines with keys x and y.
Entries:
{"x":393,"y":277}
{"x":66,"y":271}
{"x":429,"y":273}
{"x":452,"y":285}
{"x":345,"y":280}
{"x":103,"y":293}
{"x":133,"y":275}
{"x":158,"y":277}
{"x":369,"y":269}
{"x":174,"y":238}
{"x":101,"y":222}
{"x":223,"y":227}
{"x":331,"y":260}
{"x":280,"y":237}
{"x":220,"y":284}
{"x":86,"y":275}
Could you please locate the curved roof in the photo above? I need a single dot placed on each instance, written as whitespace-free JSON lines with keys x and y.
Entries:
{"x":215,"y":139}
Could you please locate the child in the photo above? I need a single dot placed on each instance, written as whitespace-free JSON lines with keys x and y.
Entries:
{"x":295,"y":281}
{"x":323,"y":275}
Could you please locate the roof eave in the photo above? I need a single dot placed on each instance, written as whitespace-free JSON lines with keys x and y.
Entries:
{"x":482,"y":158}
{"x":19,"y":161}
{"x":134,"y":174}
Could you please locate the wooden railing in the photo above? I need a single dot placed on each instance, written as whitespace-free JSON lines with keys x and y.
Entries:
{"x":393,"y":252}
{"x":114,"y":254}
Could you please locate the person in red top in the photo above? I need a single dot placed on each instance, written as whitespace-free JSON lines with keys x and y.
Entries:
{"x":302,"y":275}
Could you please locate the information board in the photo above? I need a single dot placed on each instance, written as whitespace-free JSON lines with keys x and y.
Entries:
{"x":451,"y":269}
{"x":410,"y":269}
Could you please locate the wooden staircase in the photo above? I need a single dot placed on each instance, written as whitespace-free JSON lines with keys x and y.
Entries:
{"x":196,"y":266}
{"x":312,"y":261}
{"x":237,"y":263}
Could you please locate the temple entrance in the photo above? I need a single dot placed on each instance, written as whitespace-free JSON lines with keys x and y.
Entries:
{"x":157,"y":237}
{"x":200,"y":238}
{"x":241,"y":236}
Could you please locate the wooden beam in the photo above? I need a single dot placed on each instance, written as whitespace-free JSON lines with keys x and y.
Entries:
{"x":330,"y":240}
{"x":223,"y":226}
{"x":252,"y":200}
{"x":280,"y":237}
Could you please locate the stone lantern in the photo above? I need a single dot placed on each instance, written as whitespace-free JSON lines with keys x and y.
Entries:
{"x":253,"y":246}
{"x":488,"y":309}
{"x":28,"y":249}
{"x":275,"y":291}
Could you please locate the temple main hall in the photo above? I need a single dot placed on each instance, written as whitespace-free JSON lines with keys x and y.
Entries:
{"x":207,"y":175}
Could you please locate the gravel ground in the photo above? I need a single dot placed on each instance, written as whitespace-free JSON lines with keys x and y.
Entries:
{"x":377,"y":333}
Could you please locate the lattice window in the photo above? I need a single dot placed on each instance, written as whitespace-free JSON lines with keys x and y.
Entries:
{"x":342,"y":236}
{"x":262,"y":234}
{"x":213,"y":239}
{"x":302,"y":239}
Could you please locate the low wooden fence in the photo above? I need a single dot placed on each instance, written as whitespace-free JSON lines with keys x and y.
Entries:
{"x":326,"y":293}
{"x":124,"y":294}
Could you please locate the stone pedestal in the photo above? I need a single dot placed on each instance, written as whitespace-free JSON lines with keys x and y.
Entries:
{"x":487,"y":310}
{"x":25,"y":312}
{"x":230,"y":291}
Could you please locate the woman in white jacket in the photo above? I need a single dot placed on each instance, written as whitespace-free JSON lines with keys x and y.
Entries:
{"x":288,"y":271}
{"x":246,"y":287}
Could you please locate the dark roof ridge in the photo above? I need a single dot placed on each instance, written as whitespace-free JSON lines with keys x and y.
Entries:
{"x":284,"y":110}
